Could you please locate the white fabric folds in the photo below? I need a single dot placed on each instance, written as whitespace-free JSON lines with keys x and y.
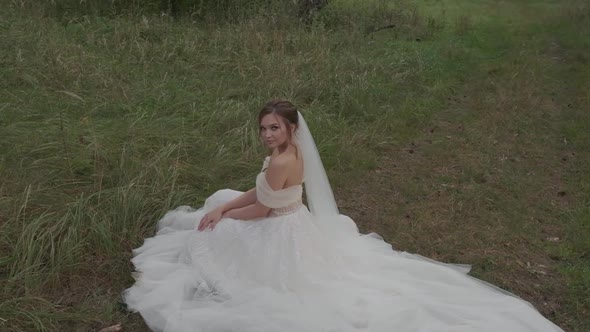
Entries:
{"x":276,"y":198}
{"x":306,"y":272}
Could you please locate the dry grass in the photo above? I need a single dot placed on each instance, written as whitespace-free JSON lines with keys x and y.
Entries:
{"x":458,"y":137}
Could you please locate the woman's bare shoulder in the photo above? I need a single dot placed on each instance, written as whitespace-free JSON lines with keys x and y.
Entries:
{"x":284,"y":160}
{"x":279,"y":170}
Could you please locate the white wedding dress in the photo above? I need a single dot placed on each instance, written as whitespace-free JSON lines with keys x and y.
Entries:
{"x":290,"y":273}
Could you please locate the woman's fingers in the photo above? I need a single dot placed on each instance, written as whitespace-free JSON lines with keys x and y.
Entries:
{"x":208,"y":222}
{"x":204,"y":222}
{"x":213,"y":224}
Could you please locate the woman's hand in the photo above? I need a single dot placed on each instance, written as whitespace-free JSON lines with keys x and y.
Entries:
{"x":210,"y":219}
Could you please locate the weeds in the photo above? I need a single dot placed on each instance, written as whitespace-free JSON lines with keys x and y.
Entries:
{"x":444,"y":135}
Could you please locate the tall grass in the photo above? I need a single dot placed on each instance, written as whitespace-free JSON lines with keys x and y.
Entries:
{"x":127,"y":118}
{"x":107,"y":121}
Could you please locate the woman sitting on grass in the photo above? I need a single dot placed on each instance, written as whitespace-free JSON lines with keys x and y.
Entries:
{"x":261,"y":261}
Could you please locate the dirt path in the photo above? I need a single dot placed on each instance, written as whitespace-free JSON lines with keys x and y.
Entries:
{"x":489,"y":180}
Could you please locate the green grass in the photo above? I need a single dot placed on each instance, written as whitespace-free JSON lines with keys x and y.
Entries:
{"x":461,"y":134}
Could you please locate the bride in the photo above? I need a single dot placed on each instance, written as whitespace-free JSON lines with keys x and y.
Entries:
{"x":261,"y":261}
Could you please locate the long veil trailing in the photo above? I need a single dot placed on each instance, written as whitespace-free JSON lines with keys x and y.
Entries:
{"x":318,"y":191}
{"x":306,"y":272}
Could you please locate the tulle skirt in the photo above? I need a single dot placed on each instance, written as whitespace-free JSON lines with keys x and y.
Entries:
{"x":285,"y":273}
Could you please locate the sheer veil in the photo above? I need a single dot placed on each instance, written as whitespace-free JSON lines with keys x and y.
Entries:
{"x":318,"y":191}
{"x":322,"y":205}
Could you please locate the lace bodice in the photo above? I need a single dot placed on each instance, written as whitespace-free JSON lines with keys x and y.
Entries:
{"x":276,"y":199}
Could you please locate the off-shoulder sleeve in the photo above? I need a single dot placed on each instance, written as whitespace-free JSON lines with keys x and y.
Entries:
{"x":275,"y":198}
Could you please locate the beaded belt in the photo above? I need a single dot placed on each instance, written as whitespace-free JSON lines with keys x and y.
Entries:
{"x":286,"y":210}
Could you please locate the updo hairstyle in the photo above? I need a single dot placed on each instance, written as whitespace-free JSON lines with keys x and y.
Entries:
{"x":285,"y":110}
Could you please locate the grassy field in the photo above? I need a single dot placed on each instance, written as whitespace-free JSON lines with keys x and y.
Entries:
{"x":461,"y":134}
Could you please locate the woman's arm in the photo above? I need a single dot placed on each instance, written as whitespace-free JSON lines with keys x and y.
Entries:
{"x":212,"y":217}
{"x":252,"y":211}
{"x":245,"y":199}
{"x":246,"y":206}
{"x":276,"y":176}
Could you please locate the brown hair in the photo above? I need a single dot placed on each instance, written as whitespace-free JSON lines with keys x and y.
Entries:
{"x":284,"y":109}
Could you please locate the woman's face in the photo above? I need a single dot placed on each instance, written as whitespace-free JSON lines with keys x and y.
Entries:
{"x":273,"y":131}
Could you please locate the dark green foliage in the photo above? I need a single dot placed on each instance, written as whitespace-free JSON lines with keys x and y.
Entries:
{"x":199,"y":9}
